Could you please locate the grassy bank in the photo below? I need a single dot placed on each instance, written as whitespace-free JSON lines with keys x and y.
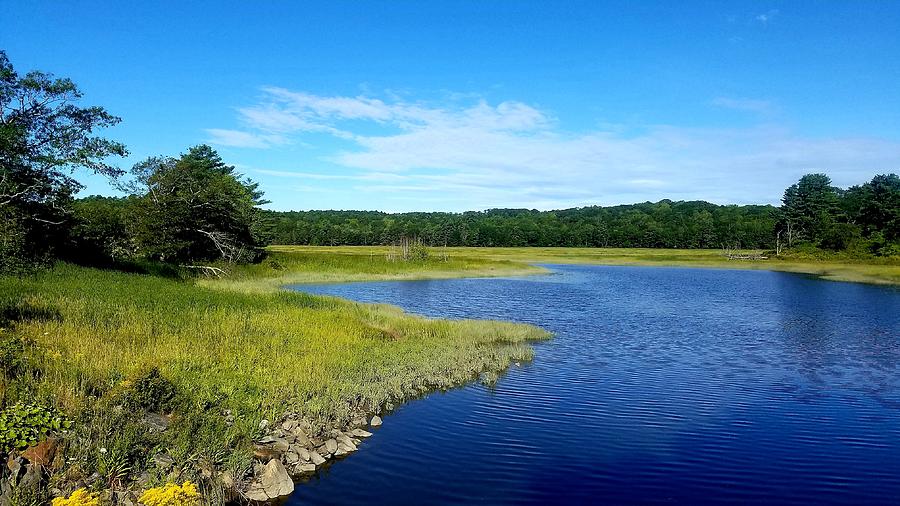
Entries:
{"x":229,"y":353}
{"x":514,"y":261}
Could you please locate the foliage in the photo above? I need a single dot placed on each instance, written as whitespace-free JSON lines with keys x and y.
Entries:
{"x":23,"y":425}
{"x":152,"y":392}
{"x":665,"y":224}
{"x":863,"y":219}
{"x":101,"y":230}
{"x":12,"y":355}
{"x":196,"y":208}
{"x":44,"y":137}
{"x":172,"y":495}
{"x":80,"y":497}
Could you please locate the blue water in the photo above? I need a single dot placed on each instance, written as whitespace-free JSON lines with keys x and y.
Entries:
{"x":662,"y":385}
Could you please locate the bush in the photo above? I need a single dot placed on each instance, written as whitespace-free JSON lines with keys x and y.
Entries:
{"x":172,"y":495}
{"x":152,"y":392}
{"x":12,"y":355}
{"x":16,"y":257}
{"x":80,"y":497}
{"x":24,"y":425}
{"x":840,"y":236}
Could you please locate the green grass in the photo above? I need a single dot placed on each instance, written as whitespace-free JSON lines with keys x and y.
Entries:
{"x":239,"y":344}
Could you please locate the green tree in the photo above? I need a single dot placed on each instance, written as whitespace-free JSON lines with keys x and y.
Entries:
{"x":809,"y":208}
{"x":196,"y":208}
{"x":44,"y":138}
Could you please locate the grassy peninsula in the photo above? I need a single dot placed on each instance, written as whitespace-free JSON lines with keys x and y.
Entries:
{"x":115,"y":349}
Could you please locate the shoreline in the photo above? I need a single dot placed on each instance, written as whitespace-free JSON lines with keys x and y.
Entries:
{"x":255,"y":313}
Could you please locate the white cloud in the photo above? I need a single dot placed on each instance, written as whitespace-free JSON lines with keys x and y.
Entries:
{"x":513,"y":154}
{"x":766,"y":17}
{"x":242,"y":139}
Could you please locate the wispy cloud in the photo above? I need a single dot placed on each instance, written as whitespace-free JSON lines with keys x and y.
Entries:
{"x":242,"y":139}
{"x":766,"y":17}
{"x":515,"y":154}
{"x":744,"y":104}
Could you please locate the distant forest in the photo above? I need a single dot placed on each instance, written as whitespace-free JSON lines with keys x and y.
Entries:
{"x":862,"y":220}
{"x":664,"y":224}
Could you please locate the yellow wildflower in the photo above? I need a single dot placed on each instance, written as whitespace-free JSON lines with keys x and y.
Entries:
{"x":80,"y":497}
{"x":171,"y":495}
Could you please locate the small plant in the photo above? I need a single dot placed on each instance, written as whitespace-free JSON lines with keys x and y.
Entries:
{"x":12,"y":355}
{"x":80,"y":497}
{"x":23,"y":425}
{"x":152,"y":392}
{"x":172,"y":495}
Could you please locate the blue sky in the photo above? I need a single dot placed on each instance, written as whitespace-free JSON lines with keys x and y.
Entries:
{"x":468,"y":105}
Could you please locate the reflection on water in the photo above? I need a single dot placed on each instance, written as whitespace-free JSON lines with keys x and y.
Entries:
{"x":662,"y":385}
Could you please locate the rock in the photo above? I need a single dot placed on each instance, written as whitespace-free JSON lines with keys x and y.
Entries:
{"x":300,"y":437}
{"x":316,"y":458}
{"x":163,"y":461}
{"x":331,"y":445}
{"x":291,"y":458}
{"x":42,"y":453}
{"x":360,"y":433}
{"x":279,"y":444}
{"x":376,"y":421}
{"x":272,"y":483}
{"x":302,"y":453}
{"x":347,"y":442}
{"x":263,"y":424}
{"x":347,"y":446}
{"x":16,"y":466}
{"x":357,"y":422}
{"x":264,"y":453}
{"x":289,"y":425}
{"x":143,"y":479}
{"x":305,"y":468}
{"x":156,"y":422}
{"x":33,"y":475}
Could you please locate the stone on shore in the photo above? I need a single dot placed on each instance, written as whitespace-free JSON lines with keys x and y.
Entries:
{"x":360,"y":433}
{"x":272,"y":483}
{"x":316,"y":458}
{"x":331,"y":445}
{"x":376,"y":421}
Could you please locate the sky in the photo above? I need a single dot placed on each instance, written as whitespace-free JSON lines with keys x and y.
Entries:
{"x":470,"y":105}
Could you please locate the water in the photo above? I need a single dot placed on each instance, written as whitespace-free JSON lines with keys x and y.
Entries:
{"x":662,"y":385}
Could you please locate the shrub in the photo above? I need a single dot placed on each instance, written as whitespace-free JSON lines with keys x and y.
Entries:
{"x":23,"y":425}
{"x":80,"y":497}
{"x":172,"y":495}
{"x":152,"y":392}
{"x":12,"y":355}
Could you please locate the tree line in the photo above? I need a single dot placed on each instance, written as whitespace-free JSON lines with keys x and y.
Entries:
{"x":664,"y":224}
{"x":195,"y":209}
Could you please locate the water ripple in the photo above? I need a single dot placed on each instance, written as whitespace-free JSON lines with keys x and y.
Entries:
{"x":661,"y":386}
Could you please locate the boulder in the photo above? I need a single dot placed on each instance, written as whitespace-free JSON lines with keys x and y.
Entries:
{"x":376,"y":421}
{"x":360,"y":433}
{"x":316,"y":458}
{"x":264,"y":453}
{"x":272,"y":483}
{"x":163,"y":461}
{"x":331,"y":445}
{"x":156,"y":422}
{"x":42,"y":453}
{"x":289,"y":425}
{"x":291,"y":458}
{"x":305,"y":468}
